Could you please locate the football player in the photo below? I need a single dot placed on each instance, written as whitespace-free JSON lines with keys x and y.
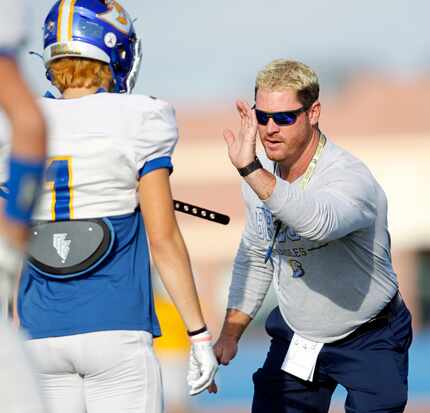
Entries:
{"x":25,"y":133}
{"x":85,"y":297}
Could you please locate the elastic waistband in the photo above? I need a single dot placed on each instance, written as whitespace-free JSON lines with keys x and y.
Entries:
{"x":145,"y":337}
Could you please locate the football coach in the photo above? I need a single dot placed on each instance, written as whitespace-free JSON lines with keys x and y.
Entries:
{"x":316,"y":227}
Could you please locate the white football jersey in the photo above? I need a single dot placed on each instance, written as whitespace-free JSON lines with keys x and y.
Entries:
{"x":98,"y":146}
{"x":12,"y":25}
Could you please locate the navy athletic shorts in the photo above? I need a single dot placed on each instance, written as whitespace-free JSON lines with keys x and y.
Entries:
{"x":371,"y":363}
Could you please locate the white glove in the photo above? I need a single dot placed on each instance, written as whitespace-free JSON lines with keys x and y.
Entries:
{"x":203,"y":363}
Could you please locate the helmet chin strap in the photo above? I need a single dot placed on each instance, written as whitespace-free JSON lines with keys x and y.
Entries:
{"x":134,"y":72}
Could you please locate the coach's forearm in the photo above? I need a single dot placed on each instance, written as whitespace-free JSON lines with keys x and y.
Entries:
{"x":343,"y":205}
{"x":251,"y":278}
{"x":172,"y":261}
{"x":262,"y":183}
{"x":235,"y":323}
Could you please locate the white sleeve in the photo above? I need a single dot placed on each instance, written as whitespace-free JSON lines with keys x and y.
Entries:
{"x":251,"y":276}
{"x":344,"y":204}
{"x":157,"y":138}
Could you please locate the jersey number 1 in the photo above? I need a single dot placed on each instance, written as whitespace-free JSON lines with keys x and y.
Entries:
{"x":60,"y":178}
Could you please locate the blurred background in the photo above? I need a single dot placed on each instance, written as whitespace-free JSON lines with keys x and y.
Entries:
{"x":373,"y":59}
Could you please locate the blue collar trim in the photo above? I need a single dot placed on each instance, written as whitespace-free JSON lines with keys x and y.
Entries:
{"x":50,"y":95}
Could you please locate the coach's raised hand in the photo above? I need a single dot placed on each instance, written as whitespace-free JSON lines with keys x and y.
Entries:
{"x":241,"y":148}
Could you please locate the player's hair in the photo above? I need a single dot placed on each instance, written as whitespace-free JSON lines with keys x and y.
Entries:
{"x":282,"y":74}
{"x":75,"y":72}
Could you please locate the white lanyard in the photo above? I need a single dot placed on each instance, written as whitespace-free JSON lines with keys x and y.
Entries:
{"x":313,"y":163}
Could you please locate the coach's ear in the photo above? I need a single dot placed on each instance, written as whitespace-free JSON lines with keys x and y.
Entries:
{"x":314,"y":113}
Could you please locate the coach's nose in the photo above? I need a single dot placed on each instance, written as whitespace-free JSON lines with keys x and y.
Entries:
{"x":272,"y":127}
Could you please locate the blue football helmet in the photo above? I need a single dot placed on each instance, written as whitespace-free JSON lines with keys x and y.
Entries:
{"x":94,"y":29}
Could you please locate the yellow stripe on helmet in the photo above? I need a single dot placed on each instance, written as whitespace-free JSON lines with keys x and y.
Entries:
{"x":60,"y":18}
{"x":65,"y":20}
{"x":70,"y":22}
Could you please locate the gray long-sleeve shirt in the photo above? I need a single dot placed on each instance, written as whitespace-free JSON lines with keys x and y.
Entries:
{"x":331,"y":265}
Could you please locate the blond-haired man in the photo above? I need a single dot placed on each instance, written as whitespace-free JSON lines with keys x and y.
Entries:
{"x":316,"y":226}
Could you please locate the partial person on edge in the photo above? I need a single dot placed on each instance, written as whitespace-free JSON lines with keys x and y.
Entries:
{"x":23,"y":138}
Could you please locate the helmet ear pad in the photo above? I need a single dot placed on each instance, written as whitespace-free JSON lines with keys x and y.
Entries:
{"x":48,"y":74}
{"x":122,"y":58}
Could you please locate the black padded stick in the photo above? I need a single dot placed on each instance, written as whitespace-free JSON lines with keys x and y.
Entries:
{"x":201,"y":212}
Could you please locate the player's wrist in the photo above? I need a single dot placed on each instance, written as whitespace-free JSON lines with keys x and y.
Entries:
{"x":194,"y":333}
{"x":201,"y":337}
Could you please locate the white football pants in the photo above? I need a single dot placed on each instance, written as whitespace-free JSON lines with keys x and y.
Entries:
{"x":101,"y":372}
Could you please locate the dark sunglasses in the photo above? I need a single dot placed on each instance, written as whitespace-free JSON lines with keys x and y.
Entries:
{"x":280,"y":118}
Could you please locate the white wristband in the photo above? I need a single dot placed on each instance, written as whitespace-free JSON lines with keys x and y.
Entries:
{"x":204,"y":337}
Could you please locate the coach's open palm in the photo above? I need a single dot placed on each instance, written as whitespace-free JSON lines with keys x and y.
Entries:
{"x":203,"y":363}
{"x":241,"y":148}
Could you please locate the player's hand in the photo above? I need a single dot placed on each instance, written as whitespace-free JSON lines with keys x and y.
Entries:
{"x":203,"y":364}
{"x":225,"y":349}
{"x":241,"y":148}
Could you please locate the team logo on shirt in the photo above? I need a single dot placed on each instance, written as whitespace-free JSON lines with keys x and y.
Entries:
{"x":296,"y":268}
{"x":265,"y":227}
{"x":62,"y":246}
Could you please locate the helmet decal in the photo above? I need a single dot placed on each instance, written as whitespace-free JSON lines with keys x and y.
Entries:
{"x":110,"y":39}
{"x":116,"y":16}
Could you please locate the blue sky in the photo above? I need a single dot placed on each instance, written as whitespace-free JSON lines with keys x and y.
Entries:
{"x":200,"y":51}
